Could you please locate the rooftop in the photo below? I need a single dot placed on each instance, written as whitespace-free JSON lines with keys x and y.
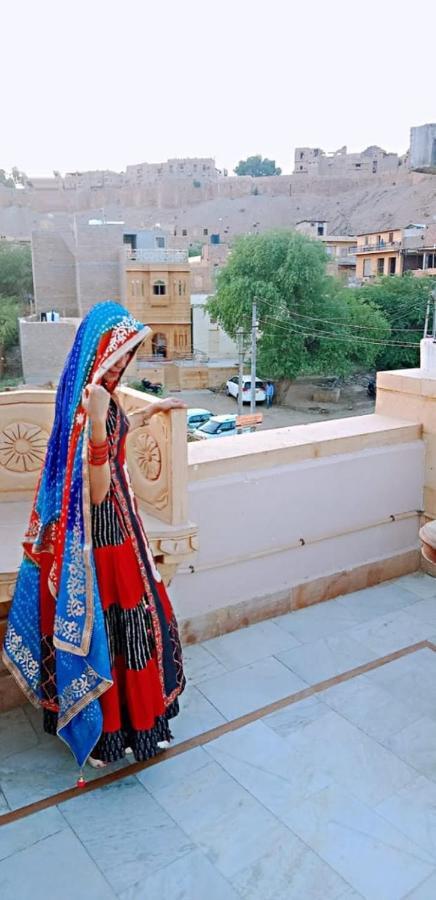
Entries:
{"x":304,"y":766}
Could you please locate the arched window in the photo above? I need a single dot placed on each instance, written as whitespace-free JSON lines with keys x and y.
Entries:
{"x":159,"y":288}
{"x":159,"y":344}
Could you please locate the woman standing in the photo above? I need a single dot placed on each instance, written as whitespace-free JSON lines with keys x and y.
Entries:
{"x":92,"y":637}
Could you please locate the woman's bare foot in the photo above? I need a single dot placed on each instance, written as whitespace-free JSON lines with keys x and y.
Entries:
{"x":96,"y":763}
{"x":163,"y":745}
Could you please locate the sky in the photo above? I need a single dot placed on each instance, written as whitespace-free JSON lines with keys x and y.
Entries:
{"x":96,"y":85}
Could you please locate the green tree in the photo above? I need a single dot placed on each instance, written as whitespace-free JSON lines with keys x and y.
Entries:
{"x":403,"y":302}
{"x":8,"y":327}
{"x":5,"y":180}
{"x":16,"y":271}
{"x":256,"y":166}
{"x":306,"y":322}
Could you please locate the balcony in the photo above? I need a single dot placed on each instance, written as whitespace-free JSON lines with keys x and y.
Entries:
{"x":157,"y":256}
{"x":379,"y":247}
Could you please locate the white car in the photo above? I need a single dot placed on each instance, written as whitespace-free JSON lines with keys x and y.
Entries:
{"x":233,"y":388}
{"x":217,"y":426}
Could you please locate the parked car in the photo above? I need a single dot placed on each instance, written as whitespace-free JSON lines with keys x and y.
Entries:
{"x":233,"y":388}
{"x":197,"y":417}
{"x":217,"y":426}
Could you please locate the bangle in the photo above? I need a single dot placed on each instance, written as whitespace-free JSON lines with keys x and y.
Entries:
{"x":98,"y":454}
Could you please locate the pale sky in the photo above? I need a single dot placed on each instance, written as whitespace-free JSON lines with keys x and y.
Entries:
{"x":103,"y":84}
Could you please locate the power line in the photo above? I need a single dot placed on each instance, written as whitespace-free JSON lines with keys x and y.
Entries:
{"x":347,"y":324}
{"x":278,"y":323}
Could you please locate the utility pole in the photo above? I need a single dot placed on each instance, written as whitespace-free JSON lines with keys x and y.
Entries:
{"x":253,"y":356}
{"x":240,"y":333}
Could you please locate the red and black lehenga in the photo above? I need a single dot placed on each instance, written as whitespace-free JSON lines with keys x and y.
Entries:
{"x":141,"y":627}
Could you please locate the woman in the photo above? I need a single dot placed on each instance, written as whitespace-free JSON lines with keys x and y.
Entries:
{"x":92,"y":636}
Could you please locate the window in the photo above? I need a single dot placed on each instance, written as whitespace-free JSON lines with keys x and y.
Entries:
{"x":381,"y":266}
{"x":160,"y":242}
{"x":367,"y":268}
{"x":301,"y":155}
{"x":321,"y":229}
{"x":392,"y":265}
{"x":205,"y":232}
{"x":391,"y":237}
{"x":184,"y":232}
{"x":159,"y":288}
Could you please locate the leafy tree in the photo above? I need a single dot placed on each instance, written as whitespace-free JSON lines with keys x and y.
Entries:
{"x":5,"y":180}
{"x":8,"y":327}
{"x":256,"y":166}
{"x":306,"y":322}
{"x":403,"y":302}
{"x":16,"y":271}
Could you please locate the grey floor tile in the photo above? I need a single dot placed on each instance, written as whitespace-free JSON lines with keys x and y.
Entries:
{"x":193,"y":877}
{"x":245,"y":646}
{"x":16,"y":733}
{"x":125,"y":832}
{"x":370,"y":707}
{"x":264,"y":764}
{"x":198,"y":663}
{"x":197,"y":715}
{"x":321,"y":620}
{"x":254,"y":686}
{"x":424,"y":611}
{"x":25,"y":832}
{"x":413,"y":811}
{"x":410,"y":680}
{"x":418,"y":583}
{"x":295,"y":716}
{"x":291,"y":871}
{"x":326,"y":657}
{"x":57,"y":866}
{"x":416,"y":745}
{"x":221,"y":817}
{"x":390,"y":632}
{"x":170,"y":771}
{"x":425,"y":891}
{"x":377,"y":601}
{"x":375,"y":858}
{"x":346,"y":755}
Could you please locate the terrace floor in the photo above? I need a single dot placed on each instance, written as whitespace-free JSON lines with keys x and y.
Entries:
{"x":329,"y":795}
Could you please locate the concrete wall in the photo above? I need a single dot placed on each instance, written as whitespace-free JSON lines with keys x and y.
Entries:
{"x":423,"y":146}
{"x":44,"y":348}
{"x":291,"y":516}
{"x":209,"y":337}
{"x":54,"y":273}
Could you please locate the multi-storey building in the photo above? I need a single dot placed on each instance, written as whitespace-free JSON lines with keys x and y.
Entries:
{"x":396,"y":251}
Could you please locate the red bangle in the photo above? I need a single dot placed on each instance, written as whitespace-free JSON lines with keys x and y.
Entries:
{"x":98,"y":454}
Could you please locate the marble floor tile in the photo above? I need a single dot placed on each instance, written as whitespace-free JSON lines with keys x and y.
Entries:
{"x":199,"y":664}
{"x":193,"y":877}
{"x":251,"y":687}
{"x":424,"y":611}
{"x":416,"y":745}
{"x":413,"y":811}
{"x":169,"y":771}
{"x":374,"y":857}
{"x":413,"y":683}
{"x":126,"y":833}
{"x":262,"y":762}
{"x":318,"y":621}
{"x":376,"y":601}
{"x":418,"y":583}
{"x":425,"y":891}
{"x":16,"y":733}
{"x":295,"y":716}
{"x":247,"y":645}
{"x":370,"y":707}
{"x":291,"y":871}
{"x":21,"y":834}
{"x":390,"y":632}
{"x":56,"y":866}
{"x":346,"y":755}
{"x":196,"y":715}
{"x":326,"y":657}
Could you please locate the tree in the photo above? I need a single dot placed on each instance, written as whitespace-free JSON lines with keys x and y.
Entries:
{"x":16,"y":271}
{"x":306,"y":323}
{"x":403,"y":302}
{"x":5,"y":180}
{"x":8,"y":327}
{"x":256,"y":166}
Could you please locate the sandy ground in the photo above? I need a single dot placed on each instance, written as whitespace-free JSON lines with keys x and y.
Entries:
{"x":281,"y":416}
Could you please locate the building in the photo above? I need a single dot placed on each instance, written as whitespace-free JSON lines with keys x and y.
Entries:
{"x":157,"y":291}
{"x":92,"y":180}
{"x":423,"y":147}
{"x":77,"y":265}
{"x":396,"y":251}
{"x":312,"y":227}
{"x":194,"y":168}
{"x":208,"y":337}
{"x":205,"y":268}
{"x":339,"y":248}
{"x":372,"y":161}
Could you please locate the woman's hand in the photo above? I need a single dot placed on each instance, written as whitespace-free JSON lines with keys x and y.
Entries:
{"x":95,"y":401}
{"x":141,"y":417}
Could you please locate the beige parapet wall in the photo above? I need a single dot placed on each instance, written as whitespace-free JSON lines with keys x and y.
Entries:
{"x":295,"y":515}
